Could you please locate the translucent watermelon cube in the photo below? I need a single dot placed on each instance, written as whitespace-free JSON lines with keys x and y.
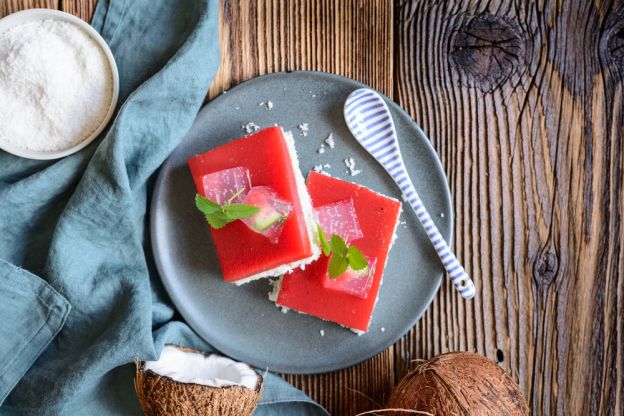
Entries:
{"x":272,"y":215}
{"x":354,"y":282}
{"x":339,"y":218}
{"x":222,"y":185}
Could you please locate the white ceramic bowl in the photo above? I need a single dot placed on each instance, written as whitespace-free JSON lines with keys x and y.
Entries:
{"x":46,"y":14}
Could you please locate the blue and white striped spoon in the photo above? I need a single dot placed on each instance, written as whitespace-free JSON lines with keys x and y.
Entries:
{"x":370,"y":121}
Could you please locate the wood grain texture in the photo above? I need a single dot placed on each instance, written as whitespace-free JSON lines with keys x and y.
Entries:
{"x":12,"y":6}
{"x":523,"y":102}
{"x":84,"y":9}
{"x":353,"y":38}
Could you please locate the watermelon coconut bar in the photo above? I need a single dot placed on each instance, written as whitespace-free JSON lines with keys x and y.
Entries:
{"x":348,"y":299}
{"x":259,"y":171}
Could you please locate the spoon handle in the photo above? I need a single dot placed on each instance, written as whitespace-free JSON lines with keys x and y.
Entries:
{"x":463,"y":283}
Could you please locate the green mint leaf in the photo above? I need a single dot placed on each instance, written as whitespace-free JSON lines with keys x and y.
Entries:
{"x":240,"y":211}
{"x":337,"y":266}
{"x":357,"y":260}
{"x":219,"y":216}
{"x":323,"y":240}
{"x":217,"y":220}
{"x":205,"y":205}
{"x":338,"y":246}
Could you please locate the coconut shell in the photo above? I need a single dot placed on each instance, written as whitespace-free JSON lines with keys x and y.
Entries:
{"x":459,"y":384}
{"x":162,"y":396}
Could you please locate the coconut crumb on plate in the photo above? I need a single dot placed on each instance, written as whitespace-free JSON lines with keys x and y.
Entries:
{"x":268,"y":104}
{"x":304,"y":128}
{"x":250,"y":127}
{"x":350,"y":164}
{"x":320,"y":168}
{"x":322,"y":332}
{"x":330,"y":141}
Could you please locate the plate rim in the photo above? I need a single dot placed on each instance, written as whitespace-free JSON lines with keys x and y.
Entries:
{"x":154,"y":242}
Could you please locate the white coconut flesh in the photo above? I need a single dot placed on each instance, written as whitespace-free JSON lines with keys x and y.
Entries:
{"x":211,"y":370}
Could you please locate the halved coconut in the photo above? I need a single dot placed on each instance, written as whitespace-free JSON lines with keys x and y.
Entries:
{"x":187,"y":382}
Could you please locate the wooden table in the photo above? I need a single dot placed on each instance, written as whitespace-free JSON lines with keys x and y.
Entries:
{"x":523,"y":102}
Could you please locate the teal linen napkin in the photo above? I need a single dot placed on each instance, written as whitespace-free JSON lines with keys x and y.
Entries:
{"x":79,"y":296}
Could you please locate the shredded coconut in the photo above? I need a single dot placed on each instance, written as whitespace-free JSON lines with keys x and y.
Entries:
{"x":322,"y":332}
{"x":250,"y":127}
{"x":350,"y":164}
{"x":321,"y":149}
{"x":304,"y":128}
{"x":268,"y":104}
{"x":330,"y":141}
{"x":56,"y":85}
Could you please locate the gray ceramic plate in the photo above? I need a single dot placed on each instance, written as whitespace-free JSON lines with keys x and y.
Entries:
{"x":239,"y":320}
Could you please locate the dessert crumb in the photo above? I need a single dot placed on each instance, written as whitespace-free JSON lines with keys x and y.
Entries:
{"x":327,"y":166}
{"x":322,"y":333}
{"x":318,"y":168}
{"x":350,"y":164}
{"x":237,"y":107}
{"x":441,"y":215}
{"x":321,"y":149}
{"x":268,"y":104}
{"x":304,"y":128}
{"x":250,"y":127}
{"x":383,"y":329}
{"x":330,"y":141}
{"x":285,"y":309}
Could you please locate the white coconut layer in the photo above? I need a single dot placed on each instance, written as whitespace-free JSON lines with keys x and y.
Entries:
{"x":193,"y":367}
{"x":308,"y":217}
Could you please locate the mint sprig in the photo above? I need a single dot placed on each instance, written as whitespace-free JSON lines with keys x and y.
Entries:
{"x":218,"y":216}
{"x":343,"y":256}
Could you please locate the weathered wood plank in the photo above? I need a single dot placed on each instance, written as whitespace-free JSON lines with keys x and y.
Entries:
{"x":12,"y":6}
{"x":352,"y":38}
{"x":523,"y":101}
{"x":84,"y":9}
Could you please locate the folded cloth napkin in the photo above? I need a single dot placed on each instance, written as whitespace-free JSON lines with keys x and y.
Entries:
{"x":79,"y":296}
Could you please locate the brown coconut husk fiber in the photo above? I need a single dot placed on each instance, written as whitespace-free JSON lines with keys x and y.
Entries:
{"x":161,"y":395}
{"x":458,"y":384}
